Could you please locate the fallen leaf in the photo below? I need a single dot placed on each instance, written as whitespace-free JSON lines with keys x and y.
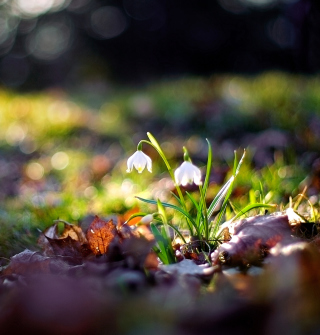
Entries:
{"x":73,"y":231}
{"x":252,"y":239}
{"x":71,"y":245}
{"x":31,"y":262}
{"x":70,"y":250}
{"x":52,"y":233}
{"x":100,"y":234}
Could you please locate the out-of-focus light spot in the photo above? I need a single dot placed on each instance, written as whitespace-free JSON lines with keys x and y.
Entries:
{"x":15,"y":134}
{"x":281,"y":31}
{"x":90,"y":192}
{"x":19,"y":75}
{"x":233,"y":6}
{"x":27,"y":146}
{"x":34,"y":7}
{"x":49,"y":41}
{"x":127,"y":186}
{"x":282,"y":172}
{"x":141,"y":105}
{"x":58,"y":111}
{"x":234,"y":92}
{"x":35,"y":171}
{"x":140,"y":9}
{"x":75,"y":215}
{"x":108,"y":22}
{"x":60,"y":160}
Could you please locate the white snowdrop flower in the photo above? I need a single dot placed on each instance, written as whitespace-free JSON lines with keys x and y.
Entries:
{"x":187,"y":173}
{"x":146,"y":219}
{"x":139,"y":160}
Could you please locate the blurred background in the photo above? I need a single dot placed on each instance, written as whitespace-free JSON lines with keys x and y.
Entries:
{"x":69,"y":43}
{"x":82,"y":81}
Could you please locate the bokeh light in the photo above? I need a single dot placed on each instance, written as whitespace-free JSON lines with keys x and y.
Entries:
{"x":108,"y":22}
{"x":60,"y":160}
{"x":49,"y":40}
{"x":15,"y":134}
{"x":35,"y":171}
{"x":33,"y":8}
{"x":281,"y":31}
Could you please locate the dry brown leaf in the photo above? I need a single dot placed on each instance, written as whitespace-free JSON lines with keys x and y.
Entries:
{"x":100,"y":234}
{"x":30,"y":263}
{"x":70,"y":250}
{"x":74,"y":232}
{"x":71,"y":245}
{"x":252,"y":238}
{"x":52,"y":233}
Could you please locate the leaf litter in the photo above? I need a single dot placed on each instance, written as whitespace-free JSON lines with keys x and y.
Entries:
{"x":107,"y":279}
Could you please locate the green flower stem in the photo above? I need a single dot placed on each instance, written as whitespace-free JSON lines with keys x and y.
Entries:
{"x":205,"y":213}
{"x":186,"y":156}
{"x":153,"y":142}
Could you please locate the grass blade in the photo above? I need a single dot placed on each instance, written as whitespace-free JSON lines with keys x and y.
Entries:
{"x":165,"y":204}
{"x":208,"y":171}
{"x":253,"y":206}
{"x":219,"y":197}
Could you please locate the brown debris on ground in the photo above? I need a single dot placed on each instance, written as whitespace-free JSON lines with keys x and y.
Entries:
{"x":70,"y":288}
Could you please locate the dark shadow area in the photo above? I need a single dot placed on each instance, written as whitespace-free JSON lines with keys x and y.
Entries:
{"x":67,"y":42}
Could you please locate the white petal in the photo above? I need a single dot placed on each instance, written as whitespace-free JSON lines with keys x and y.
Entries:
{"x":197,"y":176}
{"x":130,"y":163}
{"x":178,"y":175}
{"x":149,"y":163}
{"x":147,"y":219}
{"x":139,"y":160}
{"x":187,"y":173}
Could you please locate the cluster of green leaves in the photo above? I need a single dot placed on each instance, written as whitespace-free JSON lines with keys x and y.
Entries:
{"x":204,"y":225}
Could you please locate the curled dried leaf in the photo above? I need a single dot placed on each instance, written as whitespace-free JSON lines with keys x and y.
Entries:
{"x":74,"y":232}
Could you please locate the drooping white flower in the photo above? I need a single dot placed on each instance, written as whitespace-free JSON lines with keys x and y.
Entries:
{"x":139,"y":160}
{"x":187,"y":173}
{"x":146,"y":219}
